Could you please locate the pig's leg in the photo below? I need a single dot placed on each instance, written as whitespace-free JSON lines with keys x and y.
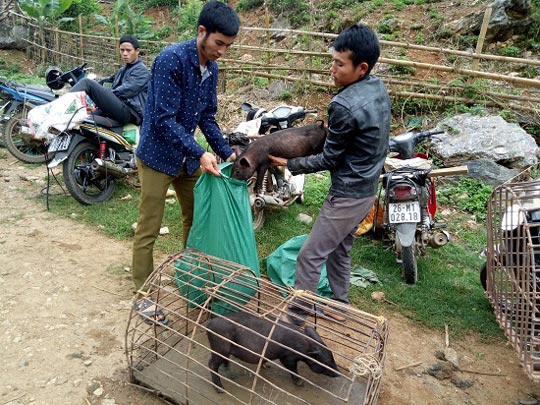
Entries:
{"x":292,"y":365}
{"x":260,"y":177}
{"x":215,"y":361}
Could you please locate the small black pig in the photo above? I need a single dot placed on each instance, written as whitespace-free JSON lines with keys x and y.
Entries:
{"x":287,"y":143}
{"x":249,"y":345}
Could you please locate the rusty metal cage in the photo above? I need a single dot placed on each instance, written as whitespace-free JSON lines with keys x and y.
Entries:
{"x":191,"y":288}
{"x":513,"y":267}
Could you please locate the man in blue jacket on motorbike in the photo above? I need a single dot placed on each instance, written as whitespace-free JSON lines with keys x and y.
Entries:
{"x":354,"y":153}
{"x":124,"y":101}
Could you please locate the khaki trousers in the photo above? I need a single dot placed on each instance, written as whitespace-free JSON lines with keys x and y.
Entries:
{"x":154,"y":186}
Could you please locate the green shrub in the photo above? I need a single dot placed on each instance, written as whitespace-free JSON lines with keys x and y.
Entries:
{"x":297,"y":11}
{"x":189,"y":15}
{"x":402,"y":70}
{"x":512,"y":51}
{"x":470,"y":195}
{"x":146,"y":4}
{"x":246,"y":5}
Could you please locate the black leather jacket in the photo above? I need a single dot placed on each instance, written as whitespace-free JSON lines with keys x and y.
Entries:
{"x":132,"y":88}
{"x":357,"y":142}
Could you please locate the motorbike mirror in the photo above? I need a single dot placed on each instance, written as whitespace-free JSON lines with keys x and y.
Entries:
{"x":247,"y":107}
{"x":52,"y":76}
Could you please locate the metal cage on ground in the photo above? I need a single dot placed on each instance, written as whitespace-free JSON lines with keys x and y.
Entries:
{"x":513,"y":267}
{"x":190,"y":288}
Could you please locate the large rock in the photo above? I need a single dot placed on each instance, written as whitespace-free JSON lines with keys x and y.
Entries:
{"x":12,"y":37}
{"x":470,"y":137}
{"x":508,"y":18}
{"x":490,"y":172}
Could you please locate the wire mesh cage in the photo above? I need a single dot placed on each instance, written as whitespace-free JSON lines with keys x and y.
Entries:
{"x":204,"y":308}
{"x":513,"y":266}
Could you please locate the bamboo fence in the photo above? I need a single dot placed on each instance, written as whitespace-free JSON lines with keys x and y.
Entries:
{"x":302,"y":59}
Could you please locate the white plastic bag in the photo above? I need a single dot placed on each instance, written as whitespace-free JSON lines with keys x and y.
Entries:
{"x":65,"y":112}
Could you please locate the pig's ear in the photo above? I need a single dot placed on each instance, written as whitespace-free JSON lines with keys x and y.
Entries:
{"x":321,"y":123}
{"x":244,"y":162}
{"x":312,"y":333}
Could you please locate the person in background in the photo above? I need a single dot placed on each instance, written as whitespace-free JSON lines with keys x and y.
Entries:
{"x":124,"y":101}
{"x":354,"y":153}
{"x":182,"y":96}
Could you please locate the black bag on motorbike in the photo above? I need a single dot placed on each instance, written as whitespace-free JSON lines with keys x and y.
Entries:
{"x":222,"y":227}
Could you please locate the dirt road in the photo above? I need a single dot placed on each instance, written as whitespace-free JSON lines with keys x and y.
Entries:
{"x":65,"y":301}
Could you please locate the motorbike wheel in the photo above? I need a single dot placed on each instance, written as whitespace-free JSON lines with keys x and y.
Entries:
{"x":410,"y":269}
{"x":258,"y":217}
{"x":85,"y":185}
{"x":21,"y":146}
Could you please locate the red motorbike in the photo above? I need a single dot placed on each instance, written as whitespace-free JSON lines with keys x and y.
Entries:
{"x":410,"y":204}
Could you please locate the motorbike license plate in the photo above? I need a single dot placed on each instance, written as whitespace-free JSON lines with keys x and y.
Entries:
{"x":60,"y":143}
{"x":404,"y":212}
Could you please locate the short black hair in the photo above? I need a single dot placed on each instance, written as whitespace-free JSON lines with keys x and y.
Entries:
{"x":362,"y":43}
{"x":219,"y":17}
{"x":131,"y":39}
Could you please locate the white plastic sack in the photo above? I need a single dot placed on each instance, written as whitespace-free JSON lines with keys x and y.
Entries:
{"x":65,"y":112}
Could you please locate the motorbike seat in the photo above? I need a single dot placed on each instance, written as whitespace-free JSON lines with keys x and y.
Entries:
{"x":43,"y":93}
{"x":105,"y":122}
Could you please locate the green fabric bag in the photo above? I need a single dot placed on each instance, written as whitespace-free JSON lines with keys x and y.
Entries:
{"x":281,"y":266}
{"x":222,"y":227}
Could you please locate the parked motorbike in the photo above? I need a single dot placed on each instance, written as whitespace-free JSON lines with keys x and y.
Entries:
{"x":100,"y":151}
{"x":410,"y":205}
{"x":280,"y":188}
{"x":19,"y":99}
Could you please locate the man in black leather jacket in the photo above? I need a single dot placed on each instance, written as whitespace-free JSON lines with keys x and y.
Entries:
{"x":354,"y":153}
{"x":124,"y":101}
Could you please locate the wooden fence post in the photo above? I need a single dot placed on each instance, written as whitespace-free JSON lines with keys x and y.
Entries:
{"x":481,"y":37}
{"x":81,"y":44}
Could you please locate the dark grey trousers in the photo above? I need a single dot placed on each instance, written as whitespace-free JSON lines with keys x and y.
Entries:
{"x":330,"y":241}
{"x":105,"y":100}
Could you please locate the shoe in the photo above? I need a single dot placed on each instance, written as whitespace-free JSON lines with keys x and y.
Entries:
{"x":150,"y":313}
{"x":331,"y":315}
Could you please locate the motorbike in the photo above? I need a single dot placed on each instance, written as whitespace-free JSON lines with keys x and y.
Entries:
{"x":94,"y":156}
{"x":20,"y":99}
{"x":410,"y":204}
{"x":280,"y":188}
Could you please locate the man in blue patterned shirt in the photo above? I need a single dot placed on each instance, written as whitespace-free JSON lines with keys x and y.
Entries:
{"x":182,"y":96}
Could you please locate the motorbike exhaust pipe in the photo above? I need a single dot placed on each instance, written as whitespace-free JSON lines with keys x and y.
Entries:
{"x":104,"y":166}
{"x":439,"y":239}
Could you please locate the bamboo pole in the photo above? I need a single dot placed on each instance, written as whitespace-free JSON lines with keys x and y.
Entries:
{"x":81,"y":37}
{"x":515,"y":80}
{"x":496,"y":99}
{"x":481,"y":38}
{"x":474,"y":73}
{"x":407,"y":45}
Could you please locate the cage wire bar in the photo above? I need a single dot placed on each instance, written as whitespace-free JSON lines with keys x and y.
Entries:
{"x":513,"y":267}
{"x":191,"y":287}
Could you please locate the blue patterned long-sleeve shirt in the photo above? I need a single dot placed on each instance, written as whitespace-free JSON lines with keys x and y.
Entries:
{"x":180,"y":98}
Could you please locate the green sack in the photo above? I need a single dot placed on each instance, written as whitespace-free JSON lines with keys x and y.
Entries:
{"x":222,"y":227}
{"x":281,"y":266}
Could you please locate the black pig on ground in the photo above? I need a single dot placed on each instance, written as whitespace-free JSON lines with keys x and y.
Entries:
{"x":288,"y":343}
{"x":287,"y":143}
